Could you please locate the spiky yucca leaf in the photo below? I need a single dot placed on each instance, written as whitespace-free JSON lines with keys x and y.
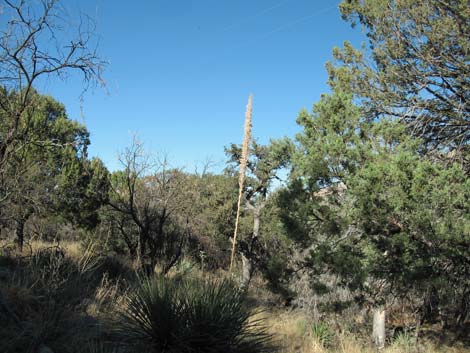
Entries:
{"x":186,"y":315}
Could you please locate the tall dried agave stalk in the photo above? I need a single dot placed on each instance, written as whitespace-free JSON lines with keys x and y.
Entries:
{"x":243,"y":163}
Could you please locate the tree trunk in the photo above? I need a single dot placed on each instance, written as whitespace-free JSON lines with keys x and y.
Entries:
{"x":418,"y":326}
{"x":247,"y":263}
{"x":19,"y":232}
{"x":141,"y":248}
{"x":464,"y":309}
{"x":256,"y":221}
{"x":247,"y":271}
{"x":142,"y":243}
{"x":378,"y":328}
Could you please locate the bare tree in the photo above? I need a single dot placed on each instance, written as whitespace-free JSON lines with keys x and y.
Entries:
{"x":37,"y":41}
{"x":149,"y":201}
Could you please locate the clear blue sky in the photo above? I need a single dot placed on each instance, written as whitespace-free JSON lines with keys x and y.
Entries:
{"x":180,"y":72}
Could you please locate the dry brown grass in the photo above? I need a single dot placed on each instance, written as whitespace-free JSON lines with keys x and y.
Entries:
{"x":292,"y":331}
{"x":72,"y":248}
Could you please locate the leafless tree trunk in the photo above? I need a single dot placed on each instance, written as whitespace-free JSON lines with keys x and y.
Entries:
{"x":149,"y":196}
{"x":247,"y":271}
{"x":378,"y":328}
{"x":19,"y":234}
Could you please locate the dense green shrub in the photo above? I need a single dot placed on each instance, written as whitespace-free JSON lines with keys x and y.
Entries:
{"x":189,"y":315}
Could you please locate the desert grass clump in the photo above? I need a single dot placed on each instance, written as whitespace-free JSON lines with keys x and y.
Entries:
{"x":323,"y":334}
{"x":42,"y":295}
{"x":189,"y":315}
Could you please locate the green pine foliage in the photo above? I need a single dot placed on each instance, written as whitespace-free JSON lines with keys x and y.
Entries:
{"x":400,"y":224}
{"x":379,"y":186}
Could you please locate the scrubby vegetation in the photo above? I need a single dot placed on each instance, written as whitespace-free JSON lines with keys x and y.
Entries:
{"x":73,"y":300}
{"x":374,"y":216}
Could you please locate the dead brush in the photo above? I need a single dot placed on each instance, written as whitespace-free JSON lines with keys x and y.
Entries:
{"x":109,"y":293}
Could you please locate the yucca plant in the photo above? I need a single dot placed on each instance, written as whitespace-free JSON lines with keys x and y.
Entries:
{"x":404,"y":341}
{"x":189,"y":315}
{"x":323,"y":334}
